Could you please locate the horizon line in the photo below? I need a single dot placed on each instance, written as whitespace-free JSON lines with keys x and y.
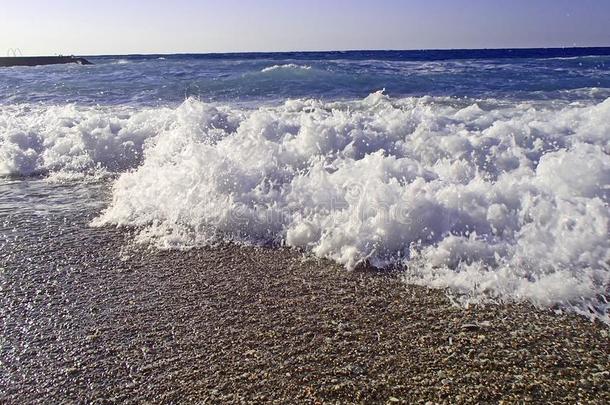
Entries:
{"x":333,"y":51}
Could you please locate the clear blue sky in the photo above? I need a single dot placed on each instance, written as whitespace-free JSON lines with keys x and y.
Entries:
{"x":166,"y":26}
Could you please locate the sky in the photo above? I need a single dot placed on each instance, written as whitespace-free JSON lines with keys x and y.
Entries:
{"x":49,"y":27}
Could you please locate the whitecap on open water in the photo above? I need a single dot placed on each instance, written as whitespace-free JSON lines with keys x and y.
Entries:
{"x":487,"y":173}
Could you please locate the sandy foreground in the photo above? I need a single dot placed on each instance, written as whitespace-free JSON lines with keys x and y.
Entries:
{"x":87,"y":317}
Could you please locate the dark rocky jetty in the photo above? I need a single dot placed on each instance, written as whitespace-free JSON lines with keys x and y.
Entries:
{"x":41,"y":60}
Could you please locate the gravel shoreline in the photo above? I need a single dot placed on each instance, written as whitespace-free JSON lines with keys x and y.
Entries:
{"x":88,"y":318}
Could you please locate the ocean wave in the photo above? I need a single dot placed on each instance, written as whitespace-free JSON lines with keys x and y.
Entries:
{"x":508,"y":202}
{"x":493,"y":199}
{"x":71,"y":141}
{"x":289,"y":66}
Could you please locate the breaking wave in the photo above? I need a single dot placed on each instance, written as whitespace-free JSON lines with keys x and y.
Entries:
{"x":289,"y":66}
{"x":76,"y":141}
{"x":493,"y":199}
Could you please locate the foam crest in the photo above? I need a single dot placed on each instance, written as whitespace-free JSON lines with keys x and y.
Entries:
{"x":288,"y":66}
{"x":71,"y":141}
{"x":495,"y":199}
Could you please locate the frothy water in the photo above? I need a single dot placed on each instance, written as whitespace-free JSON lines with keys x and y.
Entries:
{"x":287,"y":67}
{"x":502,"y":197}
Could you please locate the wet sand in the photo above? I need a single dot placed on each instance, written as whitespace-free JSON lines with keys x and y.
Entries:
{"x":87,"y":317}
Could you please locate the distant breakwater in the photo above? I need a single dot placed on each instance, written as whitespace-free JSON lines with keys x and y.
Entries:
{"x":41,"y":60}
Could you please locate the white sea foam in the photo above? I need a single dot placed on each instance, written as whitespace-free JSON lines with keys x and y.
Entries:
{"x":494,"y":199}
{"x":75,"y":141}
{"x":289,"y":66}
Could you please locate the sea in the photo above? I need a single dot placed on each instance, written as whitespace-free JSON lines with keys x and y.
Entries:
{"x":482,"y":172}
